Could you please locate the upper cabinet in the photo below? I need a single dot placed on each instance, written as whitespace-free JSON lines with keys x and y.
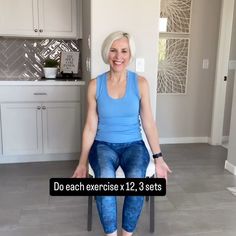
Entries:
{"x":17,"y":17}
{"x":41,"y":18}
{"x":57,"y":18}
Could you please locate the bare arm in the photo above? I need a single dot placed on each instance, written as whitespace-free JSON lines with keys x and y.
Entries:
{"x":148,"y":122}
{"x":89,"y":131}
{"x":150,"y":127}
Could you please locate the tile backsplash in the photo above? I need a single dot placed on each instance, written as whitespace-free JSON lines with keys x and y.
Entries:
{"x":22,"y":59}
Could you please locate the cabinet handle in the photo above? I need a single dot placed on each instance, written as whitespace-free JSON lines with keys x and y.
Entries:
{"x":40,"y":30}
{"x":40,"y":93}
{"x":44,"y":107}
{"x":38,"y":107}
{"x":35,"y":30}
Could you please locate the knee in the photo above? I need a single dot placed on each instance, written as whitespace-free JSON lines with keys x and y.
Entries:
{"x":135,"y":173}
{"x":105,"y":173}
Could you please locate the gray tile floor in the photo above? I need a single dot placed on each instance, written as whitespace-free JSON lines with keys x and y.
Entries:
{"x":197,"y":201}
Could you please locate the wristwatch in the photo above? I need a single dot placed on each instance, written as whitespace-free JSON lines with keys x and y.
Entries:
{"x":157,"y":155}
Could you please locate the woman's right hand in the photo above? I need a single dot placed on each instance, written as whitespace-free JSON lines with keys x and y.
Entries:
{"x":81,"y":171}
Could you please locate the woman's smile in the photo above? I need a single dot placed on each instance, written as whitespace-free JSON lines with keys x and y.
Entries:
{"x":119,"y":54}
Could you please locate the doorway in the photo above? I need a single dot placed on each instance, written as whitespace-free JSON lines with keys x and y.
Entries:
{"x":222,"y":112}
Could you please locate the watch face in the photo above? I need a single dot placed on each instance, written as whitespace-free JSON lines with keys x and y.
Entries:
{"x":157,"y":155}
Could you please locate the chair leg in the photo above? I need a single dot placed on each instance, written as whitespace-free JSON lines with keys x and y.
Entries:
{"x":90,"y":213}
{"x":152,"y":214}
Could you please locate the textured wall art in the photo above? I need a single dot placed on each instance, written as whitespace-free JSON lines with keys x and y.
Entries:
{"x":178,"y":13}
{"x":22,"y":59}
{"x":172,"y":71}
{"x":174,"y":41}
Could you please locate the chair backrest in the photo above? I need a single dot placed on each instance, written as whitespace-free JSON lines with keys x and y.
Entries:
{"x":120,"y":174}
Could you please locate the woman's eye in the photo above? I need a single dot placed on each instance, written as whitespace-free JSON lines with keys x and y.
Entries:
{"x":112,"y":50}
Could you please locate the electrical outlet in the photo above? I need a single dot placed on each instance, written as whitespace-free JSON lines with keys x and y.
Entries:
{"x":205,"y":64}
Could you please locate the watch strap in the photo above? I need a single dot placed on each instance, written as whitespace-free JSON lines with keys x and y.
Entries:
{"x":157,"y":155}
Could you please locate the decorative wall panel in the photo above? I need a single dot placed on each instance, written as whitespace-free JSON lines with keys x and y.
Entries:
{"x":174,"y":41}
{"x":22,"y":59}
{"x":177,"y":13}
{"x":172,"y":73}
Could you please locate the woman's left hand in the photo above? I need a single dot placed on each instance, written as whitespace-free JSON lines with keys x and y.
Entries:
{"x":162,"y":169}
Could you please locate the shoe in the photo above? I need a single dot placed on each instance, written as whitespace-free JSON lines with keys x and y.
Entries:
{"x":232,"y":189}
{"x":234,"y":193}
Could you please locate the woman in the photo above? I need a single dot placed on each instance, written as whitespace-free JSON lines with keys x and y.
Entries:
{"x":117,"y":100}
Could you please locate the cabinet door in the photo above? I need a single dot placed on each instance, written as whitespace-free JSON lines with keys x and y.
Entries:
{"x":61,"y":127}
{"x":57,"y":18}
{"x":0,"y":136}
{"x":21,"y":128}
{"x":18,"y":17}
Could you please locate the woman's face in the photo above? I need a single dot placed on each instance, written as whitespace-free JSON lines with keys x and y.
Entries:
{"x":119,"y":55}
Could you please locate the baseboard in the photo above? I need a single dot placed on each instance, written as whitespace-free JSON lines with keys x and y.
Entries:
{"x":225,"y":139}
{"x":38,"y":158}
{"x":230,"y":167}
{"x":184,"y":140}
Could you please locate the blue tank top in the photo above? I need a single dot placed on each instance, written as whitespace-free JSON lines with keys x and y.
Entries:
{"x":118,"y":119}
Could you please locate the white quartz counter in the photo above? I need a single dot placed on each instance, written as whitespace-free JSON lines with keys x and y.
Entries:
{"x":41,"y":82}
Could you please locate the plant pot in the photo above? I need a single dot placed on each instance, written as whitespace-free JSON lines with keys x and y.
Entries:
{"x":50,"y":72}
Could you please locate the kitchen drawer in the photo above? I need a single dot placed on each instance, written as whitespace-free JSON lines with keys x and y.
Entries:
{"x":39,"y":93}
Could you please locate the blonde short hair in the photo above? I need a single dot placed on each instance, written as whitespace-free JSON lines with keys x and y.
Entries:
{"x":109,"y":41}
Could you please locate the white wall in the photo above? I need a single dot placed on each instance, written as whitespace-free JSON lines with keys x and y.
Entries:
{"x":233,"y":38}
{"x":230,"y":112}
{"x":230,"y":81}
{"x":138,"y":17}
{"x":230,"y":163}
{"x":86,"y":53}
{"x":188,"y":117}
{"x":86,"y":28}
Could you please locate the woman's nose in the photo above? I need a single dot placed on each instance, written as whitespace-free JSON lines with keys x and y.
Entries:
{"x":118,"y":55}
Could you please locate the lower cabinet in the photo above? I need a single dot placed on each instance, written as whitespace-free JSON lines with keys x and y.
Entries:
{"x":35,"y":128}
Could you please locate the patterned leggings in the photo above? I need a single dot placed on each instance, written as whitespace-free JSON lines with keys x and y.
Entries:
{"x":104,"y":159}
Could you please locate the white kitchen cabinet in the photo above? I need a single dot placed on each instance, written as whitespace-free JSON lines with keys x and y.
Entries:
{"x":61,"y":127}
{"x":18,"y":17}
{"x":21,"y":128}
{"x":40,"y":18}
{"x":34,"y":128}
{"x":57,"y":18}
{"x":40,"y":120}
{"x":0,"y":135}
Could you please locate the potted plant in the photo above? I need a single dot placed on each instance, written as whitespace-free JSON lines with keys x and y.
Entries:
{"x":50,"y":67}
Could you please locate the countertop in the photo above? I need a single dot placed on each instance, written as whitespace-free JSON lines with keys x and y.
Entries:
{"x":42,"y":82}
